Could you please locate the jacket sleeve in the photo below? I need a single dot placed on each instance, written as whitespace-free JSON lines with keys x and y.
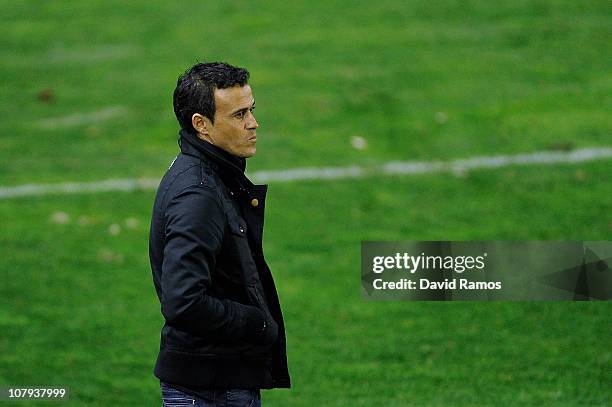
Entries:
{"x":195,"y":224}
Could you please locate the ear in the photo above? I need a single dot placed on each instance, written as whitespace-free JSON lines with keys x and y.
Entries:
{"x":202,"y":125}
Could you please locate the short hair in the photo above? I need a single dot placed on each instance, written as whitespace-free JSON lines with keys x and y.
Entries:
{"x":195,"y":90}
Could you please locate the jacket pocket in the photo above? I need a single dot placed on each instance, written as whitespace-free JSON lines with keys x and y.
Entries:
{"x":236,"y":260}
{"x":238,"y":227}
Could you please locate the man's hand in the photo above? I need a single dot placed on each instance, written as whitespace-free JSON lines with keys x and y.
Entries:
{"x":261,"y":329}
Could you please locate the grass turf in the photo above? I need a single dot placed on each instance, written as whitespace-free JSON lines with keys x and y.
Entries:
{"x":86,"y":315}
{"x":417,"y":80}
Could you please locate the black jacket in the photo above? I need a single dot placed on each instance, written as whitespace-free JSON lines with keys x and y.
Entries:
{"x":223,"y":323}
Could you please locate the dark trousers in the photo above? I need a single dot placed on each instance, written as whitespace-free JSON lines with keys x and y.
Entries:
{"x":172,"y":397}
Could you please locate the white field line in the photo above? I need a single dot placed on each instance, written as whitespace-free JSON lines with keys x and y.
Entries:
{"x":78,"y":119}
{"x":327,"y":173}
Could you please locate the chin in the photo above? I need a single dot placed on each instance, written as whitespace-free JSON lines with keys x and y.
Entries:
{"x":249,"y":153}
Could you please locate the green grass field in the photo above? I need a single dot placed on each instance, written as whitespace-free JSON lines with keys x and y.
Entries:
{"x":418,"y":80}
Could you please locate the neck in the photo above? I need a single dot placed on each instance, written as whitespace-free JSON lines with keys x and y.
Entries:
{"x":206,"y":138}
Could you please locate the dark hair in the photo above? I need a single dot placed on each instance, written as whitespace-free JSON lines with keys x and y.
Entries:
{"x":195,"y":89}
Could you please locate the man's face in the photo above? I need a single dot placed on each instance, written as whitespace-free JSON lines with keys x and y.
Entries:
{"x":235,"y":126}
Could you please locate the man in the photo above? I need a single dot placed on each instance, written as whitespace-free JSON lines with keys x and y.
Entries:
{"x":224,"y":336}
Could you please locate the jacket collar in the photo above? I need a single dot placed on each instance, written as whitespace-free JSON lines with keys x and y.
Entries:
{"x":229,"y":167}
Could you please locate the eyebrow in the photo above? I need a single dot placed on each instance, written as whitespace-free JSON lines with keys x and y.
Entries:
{"x":244,"y":109}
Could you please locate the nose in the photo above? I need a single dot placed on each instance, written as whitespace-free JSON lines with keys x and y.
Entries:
{"x":251,"y":122}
